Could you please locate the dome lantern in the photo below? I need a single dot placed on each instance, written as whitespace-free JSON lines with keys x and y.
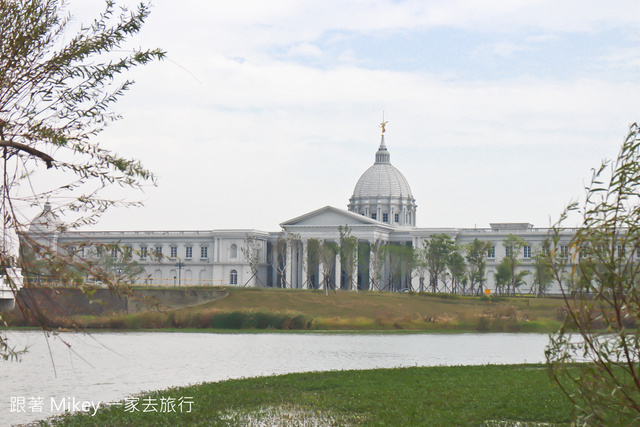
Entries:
{"x":383,"y":156}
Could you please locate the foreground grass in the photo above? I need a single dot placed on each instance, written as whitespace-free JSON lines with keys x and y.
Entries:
{"x":435,"y":396}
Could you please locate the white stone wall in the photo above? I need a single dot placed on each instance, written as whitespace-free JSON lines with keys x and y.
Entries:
{"x":211,"y":266}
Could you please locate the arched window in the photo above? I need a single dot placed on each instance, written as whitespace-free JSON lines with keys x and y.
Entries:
{"x":233,"y":277}
{"x":233,"y":252}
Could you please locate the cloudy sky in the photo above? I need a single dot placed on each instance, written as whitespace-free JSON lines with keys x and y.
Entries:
{"x":263,"y":111}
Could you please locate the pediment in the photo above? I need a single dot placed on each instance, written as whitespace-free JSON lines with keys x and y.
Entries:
{"x":330,"y":216}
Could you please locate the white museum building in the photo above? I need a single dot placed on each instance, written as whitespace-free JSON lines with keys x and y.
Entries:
{"x":381,"y":211}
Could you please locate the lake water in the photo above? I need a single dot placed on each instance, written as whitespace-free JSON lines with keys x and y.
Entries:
{"x":110,"y":366}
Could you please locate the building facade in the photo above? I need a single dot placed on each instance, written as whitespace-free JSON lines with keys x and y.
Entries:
{"x":303,"y":254}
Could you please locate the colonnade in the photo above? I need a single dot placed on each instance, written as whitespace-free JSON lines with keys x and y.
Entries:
{"x":302,"y":266}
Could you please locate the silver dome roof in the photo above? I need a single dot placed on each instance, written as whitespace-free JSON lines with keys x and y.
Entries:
{"x":46,"y":222}
{"x":382,"y":179}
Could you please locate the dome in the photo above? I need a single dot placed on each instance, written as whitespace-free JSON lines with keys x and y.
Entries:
{"x":43,"y":230}
{"x":383,"y":193}
{"x":382,"y":180}
{"x":46,"y":222}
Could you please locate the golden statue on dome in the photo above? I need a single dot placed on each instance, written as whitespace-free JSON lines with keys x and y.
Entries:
{"x":383,"y":124}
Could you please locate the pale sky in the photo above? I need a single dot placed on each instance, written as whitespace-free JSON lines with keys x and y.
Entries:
{"x":264,"y":111}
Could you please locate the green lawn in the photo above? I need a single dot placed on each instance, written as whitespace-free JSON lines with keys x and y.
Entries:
{"x":260,"y":308}
{"x":436,"y":396}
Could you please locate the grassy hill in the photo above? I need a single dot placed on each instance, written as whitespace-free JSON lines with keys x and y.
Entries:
{"x":281,"y":309}
{"x":383,"y":310}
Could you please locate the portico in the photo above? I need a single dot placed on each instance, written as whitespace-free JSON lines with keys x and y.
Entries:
{"x":313,"y":246}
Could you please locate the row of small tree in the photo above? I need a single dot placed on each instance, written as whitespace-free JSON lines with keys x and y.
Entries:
{"x":318,"y":252}
{"x":461,"y":269}
{"x":443,"y":261}
{"x":448,"y":267}
{"x":507,"y":277}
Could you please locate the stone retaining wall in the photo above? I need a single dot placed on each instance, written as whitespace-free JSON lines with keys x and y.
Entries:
{"x":69,"y":301}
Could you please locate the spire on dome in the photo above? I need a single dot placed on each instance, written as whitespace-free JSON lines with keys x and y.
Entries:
{"x":383,"y":156}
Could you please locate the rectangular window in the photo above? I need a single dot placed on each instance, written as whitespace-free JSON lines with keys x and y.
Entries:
{"x":143,"y":252}
{"x":72,"y":250}
{"x":620,"y":251}
{"x":583,"y":252}
{"x":373,"y":216}
{"x":385,"y":217}
{"x":397,"y":218}
{"x":527,"y":251}
{"x":158,"y":251}
{"x":189,"y":252}
{"x":174,"y":251}
{"x":491,"y":253}
{"x":564,"y":251}
{"x":204,"y":251}
{"x":114,"y":252}
{"x":507,"y":251}
{"x":128,"y":250}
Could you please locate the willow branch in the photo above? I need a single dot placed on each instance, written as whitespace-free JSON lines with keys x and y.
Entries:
{"x":22,"y":147}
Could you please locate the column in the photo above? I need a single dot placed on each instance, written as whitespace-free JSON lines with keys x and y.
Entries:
{"x":354,"y":268}
{"x":321,"y":282}
{"x":289,"y":269}
{"x":338,"y":269}
{"x":274,"y":267}
{"x":372,"y":267}
{"x":305,"y":264}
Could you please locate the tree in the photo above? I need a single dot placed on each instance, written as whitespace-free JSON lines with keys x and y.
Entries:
{"x":513,"y":244}
{"x":477,"y":262}
{"x":348,"y":256}
{"x":420,"y":267}
{"x":376,"y":256}
{"x":121,"y":267}
{"x":251,"y":252}
{"x":56,"y":94}
{"x":542,"y":274}
{"x":502,"y":276}
{"x":601,"y":328}
{"x":505,"y":276}
{"x":438,"y":249}
{"x":457,"y":269}
{"x":399,"y":258}
{"x":326,"y":255}
{"x":281,"y":256}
